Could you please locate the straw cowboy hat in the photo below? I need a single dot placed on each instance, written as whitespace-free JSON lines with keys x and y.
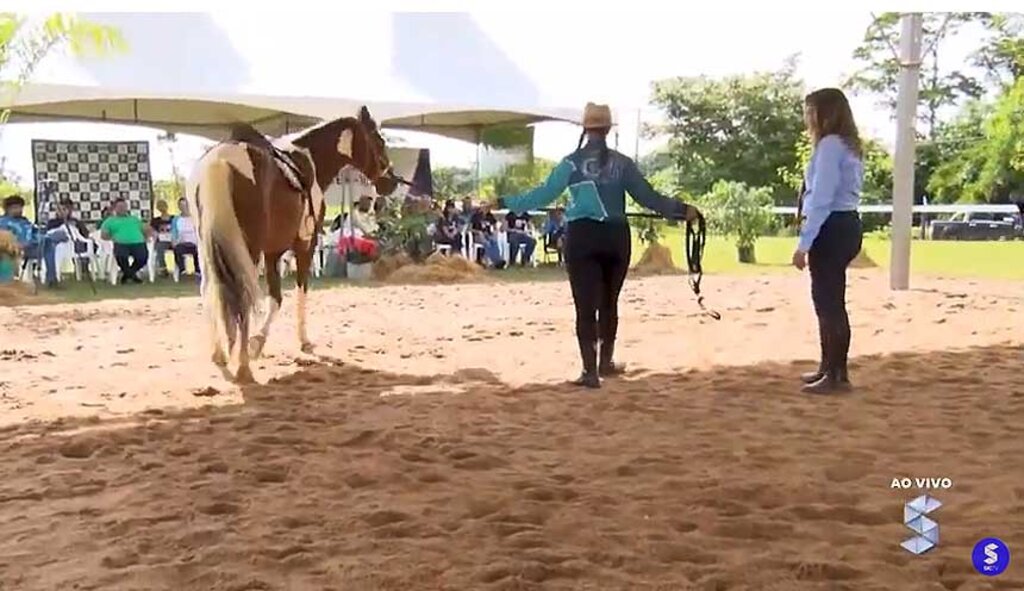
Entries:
{"x":597,"y":116}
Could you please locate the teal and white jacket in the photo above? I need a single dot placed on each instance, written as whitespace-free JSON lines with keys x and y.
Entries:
{"x":596,"y":193}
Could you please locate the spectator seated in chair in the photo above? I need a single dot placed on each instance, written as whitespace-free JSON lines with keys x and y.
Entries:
{"x":447,"y":231}
{"x":27,"y":234}
{"x":57,"y":232}
{"x":364,"y":230}
{"x":554,"y":232}
{"x":520,"y":235}
{"x":484,"y":226}
{"x":129,"y":234}
{"x":161,"y":226}
{"x":466,"y":215}
{"x":184,"y":239}
{"x":364,"y":218}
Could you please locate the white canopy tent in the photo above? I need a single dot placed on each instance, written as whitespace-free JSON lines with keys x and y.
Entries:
{"x":195,"y":72}
{"x":210,"y":114}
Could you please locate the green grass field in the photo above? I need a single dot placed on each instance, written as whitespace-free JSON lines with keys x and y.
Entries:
{"x":968,"y":260}
{"x":975,"y":260}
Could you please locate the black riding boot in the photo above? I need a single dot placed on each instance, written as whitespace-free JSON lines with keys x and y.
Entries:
{"x":608,"y":368}
{"x":588,"y":354}
{"x":834,"y":378}
{"x":823,"y":338}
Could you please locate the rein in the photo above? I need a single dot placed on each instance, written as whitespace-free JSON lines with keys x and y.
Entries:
{"x":693,"y":245}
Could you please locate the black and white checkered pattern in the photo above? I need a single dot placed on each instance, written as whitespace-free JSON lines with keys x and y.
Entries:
{"x":92,"y":175}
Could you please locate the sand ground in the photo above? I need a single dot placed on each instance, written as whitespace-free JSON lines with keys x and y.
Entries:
{"x":431,"y":444}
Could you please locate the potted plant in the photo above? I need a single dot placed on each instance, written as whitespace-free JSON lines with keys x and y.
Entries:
{"x":740,"y":212}
{"x":10,"y":252}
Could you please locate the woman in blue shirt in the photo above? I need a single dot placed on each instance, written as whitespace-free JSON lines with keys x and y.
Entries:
{"x":830,"y":236}
{"x":597,"y":242}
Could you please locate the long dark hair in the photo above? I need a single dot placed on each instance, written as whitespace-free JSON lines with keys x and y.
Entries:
{"x":831,"y":114}
{"x":603,"y":158}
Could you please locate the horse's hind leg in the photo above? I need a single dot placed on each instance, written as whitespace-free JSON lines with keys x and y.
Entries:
{"x":303,"y":264}
{"x":258,"y":340}
{"x":244,"y":375}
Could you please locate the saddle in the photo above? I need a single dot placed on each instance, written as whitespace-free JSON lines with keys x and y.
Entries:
{"x":286,"y":163}
{"x":290,"y":166}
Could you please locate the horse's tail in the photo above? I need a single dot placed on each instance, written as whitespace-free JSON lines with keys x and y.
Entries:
{"x":230,"y":289}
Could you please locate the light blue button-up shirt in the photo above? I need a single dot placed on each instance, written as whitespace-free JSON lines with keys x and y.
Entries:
{"x":834,"y":179}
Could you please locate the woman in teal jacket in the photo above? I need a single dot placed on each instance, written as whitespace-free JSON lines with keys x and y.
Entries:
{"x":597,"y":244}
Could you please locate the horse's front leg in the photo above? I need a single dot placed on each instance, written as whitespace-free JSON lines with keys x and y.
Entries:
{"x":303,"y":264}
{"x":258,"y":340}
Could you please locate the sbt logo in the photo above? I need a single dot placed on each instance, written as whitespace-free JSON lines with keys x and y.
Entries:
{"x":922,"y":483}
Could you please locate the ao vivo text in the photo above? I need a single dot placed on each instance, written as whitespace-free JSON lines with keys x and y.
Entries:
{"x":927,"y":483}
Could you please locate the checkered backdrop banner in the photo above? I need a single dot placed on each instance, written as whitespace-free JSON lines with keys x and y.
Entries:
{"x":92,"y":175}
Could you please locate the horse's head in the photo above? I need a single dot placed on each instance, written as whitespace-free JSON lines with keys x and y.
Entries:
{"x":371,"y":157}
{"x":350,"y":141}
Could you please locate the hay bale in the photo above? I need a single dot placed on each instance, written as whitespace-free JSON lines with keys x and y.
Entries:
{"x":863,"y":261}
{"x":387,"y":265}
{"x":437,"y":269}
{"x":656,"y":260}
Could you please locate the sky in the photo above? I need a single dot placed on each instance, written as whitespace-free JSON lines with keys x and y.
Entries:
{"x":560,"y":59}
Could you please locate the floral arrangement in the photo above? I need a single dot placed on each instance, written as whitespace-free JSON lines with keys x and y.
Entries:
{"x":358,"y":252}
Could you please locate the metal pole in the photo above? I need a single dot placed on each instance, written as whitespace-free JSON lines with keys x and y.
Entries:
{"x":903,"y":161}
{"x":479,"y":156}
{"x":636,"y":149}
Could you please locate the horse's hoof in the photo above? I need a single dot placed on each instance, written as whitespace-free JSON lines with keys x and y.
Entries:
{"x":219,"y":358}
{"x":244,"y":376}
{"x":307,"y":348}
{"x":256,"y":346}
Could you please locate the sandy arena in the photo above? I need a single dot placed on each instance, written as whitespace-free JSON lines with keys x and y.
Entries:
{"x":431,"y":445}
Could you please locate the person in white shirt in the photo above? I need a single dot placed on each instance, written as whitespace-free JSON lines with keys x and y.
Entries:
{"x":184,"y":239}
{"x":364,"y":219}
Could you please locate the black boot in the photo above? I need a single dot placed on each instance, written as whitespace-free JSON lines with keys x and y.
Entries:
{"x":607,"y":368}
{"x":588,"y":354}
{"x":826,"y":353}
{"x":834,"y":379}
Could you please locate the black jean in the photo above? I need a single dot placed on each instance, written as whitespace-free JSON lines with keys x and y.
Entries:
{"x":131,"y":258}
{"x":181,"y":250}
{"x":838,"y":243}
{"x":597,"y":259}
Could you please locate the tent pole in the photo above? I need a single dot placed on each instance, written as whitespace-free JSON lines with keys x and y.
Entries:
{"x":479,"y":153}
{"x":636,"y":149}
{"x":903,"y":160}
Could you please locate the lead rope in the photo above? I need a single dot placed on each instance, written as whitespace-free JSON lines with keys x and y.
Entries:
{"x":696,"y":239}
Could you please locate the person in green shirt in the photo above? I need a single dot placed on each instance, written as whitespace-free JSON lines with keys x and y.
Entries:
{"x":129,"y":234}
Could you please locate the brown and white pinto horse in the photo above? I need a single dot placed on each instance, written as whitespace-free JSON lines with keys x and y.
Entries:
{"x":254,"y":198}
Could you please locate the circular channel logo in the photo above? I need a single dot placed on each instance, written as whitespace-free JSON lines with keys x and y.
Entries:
{"x":990,"y":557}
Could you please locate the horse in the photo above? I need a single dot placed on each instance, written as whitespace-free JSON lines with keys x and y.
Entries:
{"x":255,"y":197}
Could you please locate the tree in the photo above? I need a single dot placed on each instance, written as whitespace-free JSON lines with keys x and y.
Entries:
{"x":451,"y":182}
{"x":1002,"y":55}
{"x":173,"y":190}
{"x":23,"y":47}
{"x":740,"y":128}
{"x":940,"y":87}
{"x":740,"y":212}
{"x":985,"y":167}
{"x":517,"y":178}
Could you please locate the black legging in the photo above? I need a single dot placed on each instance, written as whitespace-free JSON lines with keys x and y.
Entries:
{"x":597,"y":259}
{"x":837,"y":244}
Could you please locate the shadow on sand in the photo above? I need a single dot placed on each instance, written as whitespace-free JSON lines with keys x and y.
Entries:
{"x":337,"y":477}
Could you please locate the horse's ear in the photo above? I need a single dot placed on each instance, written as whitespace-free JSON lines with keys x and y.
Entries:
{"x":364,"y":115}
